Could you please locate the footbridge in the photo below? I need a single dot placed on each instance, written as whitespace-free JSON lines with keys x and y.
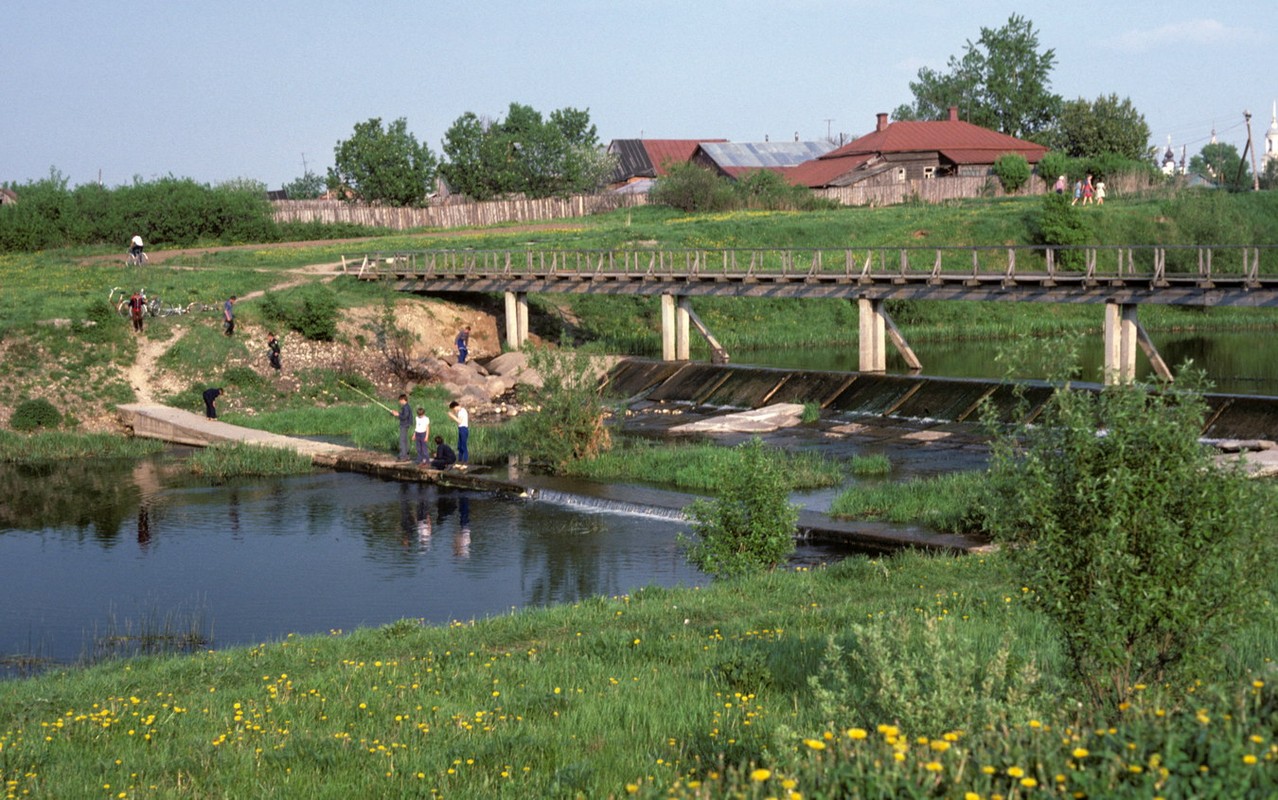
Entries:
{"x":1118,"y":278}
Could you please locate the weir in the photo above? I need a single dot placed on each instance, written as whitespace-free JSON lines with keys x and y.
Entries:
{"x":921,"y":400}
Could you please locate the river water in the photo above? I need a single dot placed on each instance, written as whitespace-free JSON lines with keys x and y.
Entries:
{"x":93,"y":550}
{"x":1235,"y":362}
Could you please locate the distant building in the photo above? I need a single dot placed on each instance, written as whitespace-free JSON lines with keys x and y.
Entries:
{"x":895,"y":152}
{"x":7,"y":196}
{"x":1271,"y":139}
{"x":736,"y":159}
{"x":640,"y":159}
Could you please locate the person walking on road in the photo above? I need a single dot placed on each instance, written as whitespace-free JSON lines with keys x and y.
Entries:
{"x":405,"y":417}
{"x":228,"y":316}
{"x":458,"y":413}
{"x":137,"y":304}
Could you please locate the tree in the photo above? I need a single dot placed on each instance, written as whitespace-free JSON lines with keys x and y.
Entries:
{"x":1106,"y":126}
{"x":750,"y":526}
{"x":1001,"y":82}
{"x":308,"y":187}
{"x":379,"y":165}
{"x":1012,"y":171}
{"x":1221,"y":163}
{"x":1139,"y":547}
{"x":524,"y":153}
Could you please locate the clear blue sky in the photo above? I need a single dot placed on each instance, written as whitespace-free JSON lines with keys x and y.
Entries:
{"x":238,"y":88}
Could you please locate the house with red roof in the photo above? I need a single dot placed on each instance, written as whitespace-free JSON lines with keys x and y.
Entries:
{"x":897,"y":152}
{"x":648,"y":159}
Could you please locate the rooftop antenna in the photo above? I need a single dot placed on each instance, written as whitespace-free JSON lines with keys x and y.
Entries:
{"x":828,"y":120}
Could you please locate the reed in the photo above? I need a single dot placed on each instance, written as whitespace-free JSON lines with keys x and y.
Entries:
{"x":870,"y":466}
{"x":945,"y":502}
{"x":699,"y":467}
{"x":237,"y":459}
{"x":20,"y":448}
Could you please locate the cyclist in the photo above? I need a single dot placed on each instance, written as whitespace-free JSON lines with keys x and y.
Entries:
{"x":135,"y":249}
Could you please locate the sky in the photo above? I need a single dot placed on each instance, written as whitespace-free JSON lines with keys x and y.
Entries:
{"x":113,"y":90}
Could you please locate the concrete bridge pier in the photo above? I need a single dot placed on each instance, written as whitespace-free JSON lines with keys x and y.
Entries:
{"x":677,"y":321}
{"x":876,"y":327}
{"x":516,"y":319}
{"x":1123,"y":333}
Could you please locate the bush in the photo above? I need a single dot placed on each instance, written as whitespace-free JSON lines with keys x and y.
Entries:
{"x":691,"y":188}
{"x":1140,"y":548}
{"x":1063,"y":225}
{"x":750,"y":526}
{"x":569,"y":425}
{"x":33,"y":414}
{"x":311,"y":311}
{"x":1012,"y":171}
{"x":1053,"y":165}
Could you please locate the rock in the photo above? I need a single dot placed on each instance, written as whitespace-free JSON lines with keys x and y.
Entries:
{"x":759,"y":420}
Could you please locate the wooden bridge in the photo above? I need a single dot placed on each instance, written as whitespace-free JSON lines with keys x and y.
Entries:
{"x":1119,"y":277}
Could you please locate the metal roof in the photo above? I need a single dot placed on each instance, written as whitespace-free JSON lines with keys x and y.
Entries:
{"x":763,"y":155}
{"x":648,"y":158}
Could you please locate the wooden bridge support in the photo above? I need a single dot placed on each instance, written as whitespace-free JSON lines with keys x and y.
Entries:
{"x":1123,"y":333}
{"x":516,"y":319}
{"x":677,"y":321}
{"x":876,"y":327}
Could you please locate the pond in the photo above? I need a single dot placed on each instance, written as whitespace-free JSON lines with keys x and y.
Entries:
{"x":99,"y":556}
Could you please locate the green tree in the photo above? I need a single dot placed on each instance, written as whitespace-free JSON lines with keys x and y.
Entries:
{"x":1086,"y":129}
{"x":383,"y":165}
{"x":307,"y":187}
{"x":1221,"y":163}
{"x":569,"y":425}
{"x":750,"y":526}
{"x":1001,"y":82}
{"x":1143,"y":551}
{"x":1012,"y":171}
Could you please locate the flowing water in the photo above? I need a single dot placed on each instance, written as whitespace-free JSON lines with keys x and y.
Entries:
{"x":96,"y":555}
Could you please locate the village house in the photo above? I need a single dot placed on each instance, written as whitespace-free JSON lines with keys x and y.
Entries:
{"x":641,"y":161}
{"x":896,"y":152}
{"x":736,"y":159}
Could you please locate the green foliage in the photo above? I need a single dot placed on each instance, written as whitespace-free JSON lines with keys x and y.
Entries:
{"x":569,"y":424}
{"x":33,"y":414}
{"x":525,"y":154}
{"x":691,"y":188}
{"x":1001,"y":82}
{"x":1134,"y":542}
{"x":383,"y":165}
{"x":1052,"y":165}
{"x":237,"y":459}
{"x":311,"y":311}
{"x":750,"y":526}
{"x":1061,"y":224}
{"x":871,"y":465}
{"x":1107,"y":126}
{"x":1012,"y":171}
{"x":945,"y":502}
{"x":1221,"y":163}
{"x":306,"y":187}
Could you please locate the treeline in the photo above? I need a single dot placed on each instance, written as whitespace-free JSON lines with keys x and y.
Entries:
{"x":169,"y":211}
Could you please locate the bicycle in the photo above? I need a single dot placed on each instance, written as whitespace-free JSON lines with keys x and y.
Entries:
{"x":151,"y":305}
{"x":138,"y":259}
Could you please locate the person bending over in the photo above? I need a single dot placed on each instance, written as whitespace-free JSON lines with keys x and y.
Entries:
{"x":444,"y":456}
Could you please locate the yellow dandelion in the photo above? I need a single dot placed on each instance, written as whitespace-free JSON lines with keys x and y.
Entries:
{"x":815,"y":744}
{"x":857,"y":733}
{"x":1015,"y":772}
{"x":1081,"y":752}
{"x":760,"y":775}
{"x":933,"y":766}
{"x":1029,"y":783}
{"x":1249,"y":759}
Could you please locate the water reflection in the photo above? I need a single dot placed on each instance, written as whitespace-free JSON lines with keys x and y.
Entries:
{"x":307,"y":555}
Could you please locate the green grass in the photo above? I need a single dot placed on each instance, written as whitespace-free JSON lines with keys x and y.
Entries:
{"x":236,"y":459}
{"x":944,"y":503}
{"x":34,"y":448}
{"x":652,"y":693}
{"x":698,"y":467}
{"x":875,"y":465}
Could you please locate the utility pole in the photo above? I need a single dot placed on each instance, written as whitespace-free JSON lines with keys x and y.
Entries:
{"x":1255,"y":176}
{"x":828,"y":120}
{"x":305,"y":169}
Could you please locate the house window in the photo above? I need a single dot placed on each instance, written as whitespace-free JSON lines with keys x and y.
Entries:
{"x":929,"y":172}
{"x":900,"y":174}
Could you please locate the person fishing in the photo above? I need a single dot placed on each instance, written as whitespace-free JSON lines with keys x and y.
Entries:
{"x":405,"y":416}
{"x":444,"y":456}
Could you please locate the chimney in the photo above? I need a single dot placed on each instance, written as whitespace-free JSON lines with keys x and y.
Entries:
{"x":954,"y":114}
{"x":882,"y":123}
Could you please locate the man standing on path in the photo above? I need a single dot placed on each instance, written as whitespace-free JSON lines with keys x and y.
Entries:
{"x":211,"y":396}
{"x":463,"y":344}
{"x":461,"y":416}
{"x":273,"y":352}
{"x":405,"y":416}
{"x":136,"y":306}
{"x":228,"y":316}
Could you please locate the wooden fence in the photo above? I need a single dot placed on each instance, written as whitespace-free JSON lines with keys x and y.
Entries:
{"x":452,"y":215}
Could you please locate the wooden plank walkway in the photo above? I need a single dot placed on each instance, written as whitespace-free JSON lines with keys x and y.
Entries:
{"x":183,"y":427}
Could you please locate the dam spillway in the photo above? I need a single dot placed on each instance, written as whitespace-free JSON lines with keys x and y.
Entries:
{"x":918,"y":399}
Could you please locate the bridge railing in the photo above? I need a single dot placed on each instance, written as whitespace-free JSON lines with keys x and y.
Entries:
{"x":1159,"y":264}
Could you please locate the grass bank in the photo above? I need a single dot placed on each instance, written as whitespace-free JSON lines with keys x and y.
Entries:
{"x":759,"y":688}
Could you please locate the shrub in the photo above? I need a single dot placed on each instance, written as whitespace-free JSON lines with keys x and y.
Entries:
{"x":33,"y":414}
{"x":750,"y":526}
{"x":311,"y":311}
{"x":691,"y":188}
{"x":1012,"y":171}
{"x":570,"y":422}
{"x":1053,"y":165}
{"x":1061,"y":224}
{"x":1140,"y":548}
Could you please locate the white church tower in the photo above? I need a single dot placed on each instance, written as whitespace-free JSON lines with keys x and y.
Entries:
{"x":1271,"y":138}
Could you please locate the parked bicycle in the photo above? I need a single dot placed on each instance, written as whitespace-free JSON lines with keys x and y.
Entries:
{"x":151,"y":305}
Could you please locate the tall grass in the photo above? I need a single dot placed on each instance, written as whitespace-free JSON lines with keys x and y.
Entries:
{"x":64,"y":445}
{"x":699,"y":467}
{"x":237,"y":459}
{"x":945,"y":502}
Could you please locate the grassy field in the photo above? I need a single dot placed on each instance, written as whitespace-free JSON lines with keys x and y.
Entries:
{"x":913,"y":676}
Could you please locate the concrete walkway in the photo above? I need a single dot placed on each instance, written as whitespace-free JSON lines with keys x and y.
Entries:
{"x":183,"y":427}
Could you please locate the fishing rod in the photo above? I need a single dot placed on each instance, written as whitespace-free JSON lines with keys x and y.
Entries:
{"x":369,"y":396}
